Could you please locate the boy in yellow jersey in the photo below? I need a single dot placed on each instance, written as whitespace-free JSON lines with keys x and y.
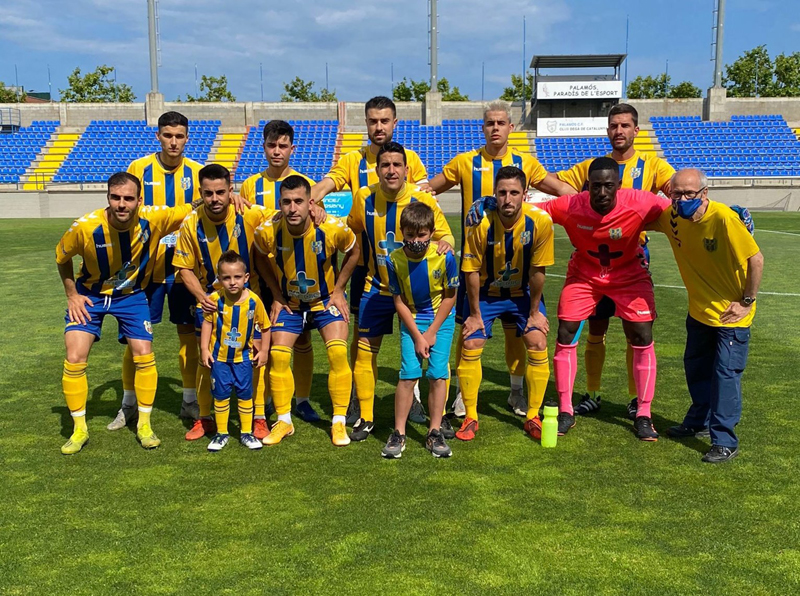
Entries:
{"x":213,"y":229}
{"x":474,"y":172}
{"x":375,"y":219}
{"x":641,"y":171}
{"x":357,"y":170}
{"x":264,"y":189}
{"x":424,"y":284}
{"x":721,"y":267}
{"x":227,"y":342}
{"x":504,"y":264}
{"x":299,"y":261}
{"x":168,"y":179}
{"x":117,"y":245}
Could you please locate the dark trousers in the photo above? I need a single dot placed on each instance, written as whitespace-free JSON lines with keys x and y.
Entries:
{"x":714,"y":361}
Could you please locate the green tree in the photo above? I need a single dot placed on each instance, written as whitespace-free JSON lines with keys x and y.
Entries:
{"x":514,"y":93}
{"x":751,"y":69}
{"x":96,"y":87}
{"x":649,"y":87}
{"x":10,"y":95}
{"x":212,"y":89}
{"x":685,"y":89}
{"x":413,"y":90}
{"x":300,"y":90}
{"x":787,"y":75}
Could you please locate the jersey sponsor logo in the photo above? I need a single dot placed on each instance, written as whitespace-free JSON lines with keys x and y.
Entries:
{"x":710,"y":244}
{"x":303,"y":285}
{"x":635,"y":173}
{"x":181,"y":253}
{"x":468,"y":255}
{"x":169,"y":240}
{"x":232,"y":338}
{"x":316,"y":246}
{"x":121,"y":280}
{"x":152,"y":183}
{"x":590,"y":228}
{"x":372,"y":213}
{"x":186,"y":182}
{"x":106,"y":245}
{"x":615,"y":233}
{"x":642,"y":312}
{"x":481,"y":169}
{"x":525,"y":238}
{"x":505,"y":281}
{"x":367,"y":171}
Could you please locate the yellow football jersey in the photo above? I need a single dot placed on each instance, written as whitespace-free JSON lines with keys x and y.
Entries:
{"x":376,"y":222}
{"x":234,"y":326}
{"x":712,"y":257}
{"x":357,"y":169}
{"x":172,"y":188}
{"x":118,"y":262}
{"x":260,"y":189}
{"x":422,"y":281}
{"x":504,"y":257}
{"x":307,"y":265}
{"x":643,"y":171}
{"x":201,"y":242}
{"x":475,"y":172}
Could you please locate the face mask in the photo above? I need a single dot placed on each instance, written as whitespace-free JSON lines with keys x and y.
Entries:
{"x":686,"y":209}
{"x":417,"y":247}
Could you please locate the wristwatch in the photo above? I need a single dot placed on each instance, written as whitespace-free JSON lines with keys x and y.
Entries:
{"x":748,"y":300}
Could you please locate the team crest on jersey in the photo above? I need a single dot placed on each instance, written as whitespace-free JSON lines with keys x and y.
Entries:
{"x":635,"y":173}
{"x":186,"y":182}
{"x":710,"y":244}
{"x":525,"y":238}
{"x":251,"y":313}
{"x":237,"y":231}
{"x":437,"y":274}
{"x":145,"y":235}
{"x":316,"y":246}
{"x":148,"y":327}
{"x":615,"y":233}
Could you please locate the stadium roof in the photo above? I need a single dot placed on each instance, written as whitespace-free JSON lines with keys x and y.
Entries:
{"x":579,"y":61}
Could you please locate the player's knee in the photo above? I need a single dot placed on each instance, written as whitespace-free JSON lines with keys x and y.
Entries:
{"x":474,"y":344}
{"x":536,"y":340}
{"x":640,"y":334}
{"x":567,"y":331}
{"x":598,"y":326}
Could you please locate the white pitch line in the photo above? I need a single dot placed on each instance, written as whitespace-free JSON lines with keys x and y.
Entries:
{"x":777,"y":232}
{"x":683,"y":288}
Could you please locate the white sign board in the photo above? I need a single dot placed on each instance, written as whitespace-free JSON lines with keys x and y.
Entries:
{"x":579,"y":90}
{"x":571,"y":127}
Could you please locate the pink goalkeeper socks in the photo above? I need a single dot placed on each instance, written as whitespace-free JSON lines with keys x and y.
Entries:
{"x":565,"y":365}
{"x":644,"y":373}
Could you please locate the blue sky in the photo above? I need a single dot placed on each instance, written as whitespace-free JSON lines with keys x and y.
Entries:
{"x":360,"y":40}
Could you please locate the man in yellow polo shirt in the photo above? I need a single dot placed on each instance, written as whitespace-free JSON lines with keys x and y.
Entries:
{"x":721,"y":267}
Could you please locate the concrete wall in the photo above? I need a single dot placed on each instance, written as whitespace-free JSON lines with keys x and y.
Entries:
{"x":667,"y":107}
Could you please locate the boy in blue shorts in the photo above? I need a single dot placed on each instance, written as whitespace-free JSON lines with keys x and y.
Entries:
{"x":423,"y":284}
{"x":227,"y":339}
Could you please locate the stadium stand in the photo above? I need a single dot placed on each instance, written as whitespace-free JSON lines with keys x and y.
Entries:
{"x":108,"y":146}
{"x":750,"y":146}
{"x":19,"y":149}
{"x":315,"y":141}
{"x":436,"y":145}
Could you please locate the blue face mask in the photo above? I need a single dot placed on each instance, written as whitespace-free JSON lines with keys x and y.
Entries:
{"x":687,"y":208}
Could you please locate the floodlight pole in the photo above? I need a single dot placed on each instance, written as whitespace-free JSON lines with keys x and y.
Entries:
{"x":718,"y":44}
{"x":151,"y":22}
{"x":434,"y":37}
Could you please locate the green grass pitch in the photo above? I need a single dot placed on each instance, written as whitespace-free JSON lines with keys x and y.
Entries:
{"x":602,"y":513}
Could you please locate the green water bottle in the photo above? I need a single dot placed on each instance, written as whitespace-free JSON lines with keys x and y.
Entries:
{"x":550,"y":425}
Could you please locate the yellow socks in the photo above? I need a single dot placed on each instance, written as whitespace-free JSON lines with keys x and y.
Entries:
{"x":76,"y":391}
{"x":303,"y":369}
{"x":204,"y":391}
{"x":594,"y":358}
{"x":340,"y":377}
{"x":537,"y":374}
{"x":364,"y":374}
{"x":187,"y":359}
{"x":631,"y":379}
{"x":145,"y":383}
{"x":470,"y":374}
{"x":246,"y":415}
{"x":222,"y":411}
{"x":516,"y":357}
{"x":281,"y":381}
{"x":260,"y":390}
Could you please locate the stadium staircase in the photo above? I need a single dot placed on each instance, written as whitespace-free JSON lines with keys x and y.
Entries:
{"x":41,"y":172}
{"x":227,"y":147}
{"x":347,"y":142}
